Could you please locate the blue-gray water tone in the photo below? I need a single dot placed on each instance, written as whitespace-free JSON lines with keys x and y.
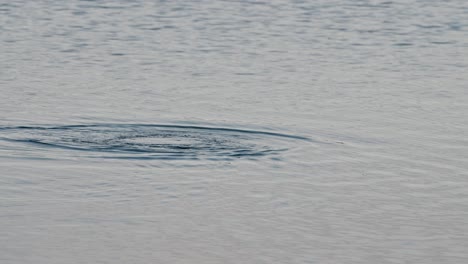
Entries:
{"x":233,"y":131}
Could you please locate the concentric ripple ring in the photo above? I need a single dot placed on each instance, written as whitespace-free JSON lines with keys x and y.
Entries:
{"x":152,"y":141}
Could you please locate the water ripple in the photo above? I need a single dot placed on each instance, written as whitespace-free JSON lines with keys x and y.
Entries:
{"x":149,"y":141}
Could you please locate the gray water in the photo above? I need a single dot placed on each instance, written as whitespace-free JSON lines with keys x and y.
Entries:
{"x":233,"y":131}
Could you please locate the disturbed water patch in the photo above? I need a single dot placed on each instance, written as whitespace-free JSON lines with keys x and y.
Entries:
{"x":144,"y":141}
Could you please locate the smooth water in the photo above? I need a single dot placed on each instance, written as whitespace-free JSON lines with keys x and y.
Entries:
{"x":233,"y":131}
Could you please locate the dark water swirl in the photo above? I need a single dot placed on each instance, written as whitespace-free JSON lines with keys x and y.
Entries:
{"x":144,"y":141}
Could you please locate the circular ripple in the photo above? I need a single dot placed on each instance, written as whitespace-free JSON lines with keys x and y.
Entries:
{"x":143,"y":141}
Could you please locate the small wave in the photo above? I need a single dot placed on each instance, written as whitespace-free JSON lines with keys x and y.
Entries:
{"x":149,"y":141}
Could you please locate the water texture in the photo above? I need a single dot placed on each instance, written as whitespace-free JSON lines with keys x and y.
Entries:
{"x":233,"y":131}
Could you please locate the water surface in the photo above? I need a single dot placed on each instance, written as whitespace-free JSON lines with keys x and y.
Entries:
{"x":233,"y":131}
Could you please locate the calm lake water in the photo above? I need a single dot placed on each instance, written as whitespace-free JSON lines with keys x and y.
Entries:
{"x":233,"y":131}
